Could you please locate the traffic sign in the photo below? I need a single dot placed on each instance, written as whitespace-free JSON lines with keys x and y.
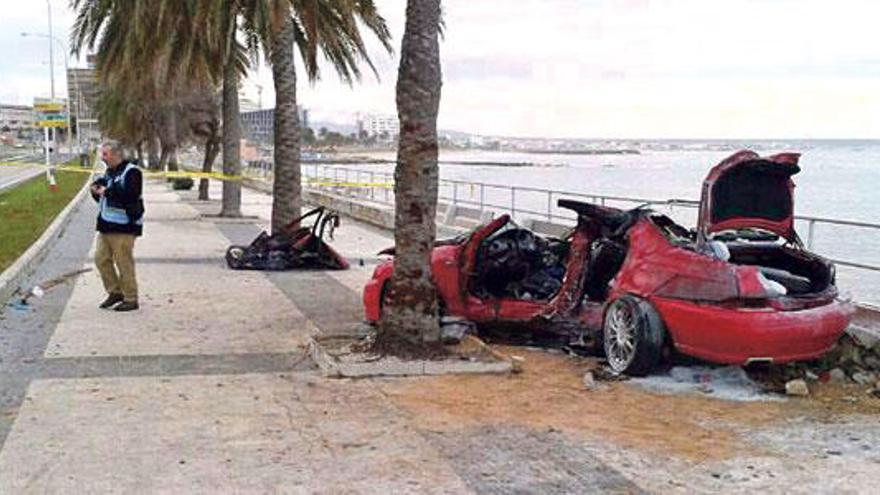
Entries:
{"x":48,"y":105}
{"x":52,"y":120}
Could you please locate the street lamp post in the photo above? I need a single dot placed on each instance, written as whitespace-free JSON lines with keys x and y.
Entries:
{"x":66,"y":71}
{"x":51,"y":51}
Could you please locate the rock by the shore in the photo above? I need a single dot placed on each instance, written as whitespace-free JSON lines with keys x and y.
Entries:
{"x":864,"y":378}
{"x":797,"y":388}
{"x":837,"y":375}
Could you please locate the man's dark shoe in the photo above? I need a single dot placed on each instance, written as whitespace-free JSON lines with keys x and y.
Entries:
{"x":127,"y":306}
{"x":111,"y":300}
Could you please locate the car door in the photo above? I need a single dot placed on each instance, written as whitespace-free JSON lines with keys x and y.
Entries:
{"x":478,"y":309}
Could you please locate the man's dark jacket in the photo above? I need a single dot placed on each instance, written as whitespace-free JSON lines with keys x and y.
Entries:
{"x":128,"y":198}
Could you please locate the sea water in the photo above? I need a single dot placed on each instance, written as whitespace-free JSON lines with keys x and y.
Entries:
{"x":839,"y":179}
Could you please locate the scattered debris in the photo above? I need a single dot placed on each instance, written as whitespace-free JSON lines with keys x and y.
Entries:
{"x":727,"y":383}
{"x":797,"y":388}
{"x":848,"y":362}
{"x":590,"y":381}
{"x":453,"y":329}
{"x":18,"y":306}
{"x":40,"y":289}
{"x":516,"y":362}
{"x":864,"y":378}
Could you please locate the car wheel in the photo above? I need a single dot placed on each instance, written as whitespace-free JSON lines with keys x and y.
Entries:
{"x":633,"y":336}
{"x":235,"y":257}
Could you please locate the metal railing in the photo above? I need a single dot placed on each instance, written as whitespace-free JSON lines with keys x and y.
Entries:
{"x":378,"y":187}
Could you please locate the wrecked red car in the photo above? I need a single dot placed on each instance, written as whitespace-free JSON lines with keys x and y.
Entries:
{"x":295,"y":246}
{"x":740,"y":288}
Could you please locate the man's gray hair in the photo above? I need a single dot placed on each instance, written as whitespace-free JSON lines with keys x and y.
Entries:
{"x":115,"y":147}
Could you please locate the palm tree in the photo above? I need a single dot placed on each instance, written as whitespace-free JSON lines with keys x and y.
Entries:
{"x":412,"y":318}
{"x":330,"y":27}
{"x":167,"y":46}
{"x":216,"y":26}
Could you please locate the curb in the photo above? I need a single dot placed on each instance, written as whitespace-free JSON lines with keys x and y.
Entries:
{"x":13,"y":276}
{"x":334,"y":368}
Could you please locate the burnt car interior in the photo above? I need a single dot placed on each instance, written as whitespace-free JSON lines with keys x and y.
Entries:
{"x":516,"y":263}
{"x":798,"y":271}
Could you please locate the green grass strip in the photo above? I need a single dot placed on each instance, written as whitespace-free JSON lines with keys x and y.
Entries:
{"x":27,"y":209}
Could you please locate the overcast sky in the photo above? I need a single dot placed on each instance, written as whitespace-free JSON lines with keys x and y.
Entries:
{"x":590,"y":68}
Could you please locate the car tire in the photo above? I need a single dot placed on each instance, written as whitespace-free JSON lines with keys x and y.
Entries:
{"x":235,"y":257}
{"x":632,"y":336}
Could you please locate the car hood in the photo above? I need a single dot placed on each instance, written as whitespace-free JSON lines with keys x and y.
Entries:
{"x":750,"y":191}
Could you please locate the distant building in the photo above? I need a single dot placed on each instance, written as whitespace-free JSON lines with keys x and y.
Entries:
{"x":16,"y":118}
{"x":378,"y":125}
{"x":246,"y":105}
{"x":82,"y":87}
{"x":259,"y":125}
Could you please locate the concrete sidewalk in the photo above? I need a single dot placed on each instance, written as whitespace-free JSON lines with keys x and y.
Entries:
{"x":204,"y":390}
{"x":207,"y":389}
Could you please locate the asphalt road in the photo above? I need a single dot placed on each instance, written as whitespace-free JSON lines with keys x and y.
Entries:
{"x":10,"y":176}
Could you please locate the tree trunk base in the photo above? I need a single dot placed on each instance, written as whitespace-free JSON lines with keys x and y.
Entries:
{"x":392,"y":344}
{"x":203,"y":190}
{"x":230,"y":214}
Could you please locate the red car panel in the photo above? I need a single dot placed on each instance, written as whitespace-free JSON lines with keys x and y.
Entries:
{"x":737,"y":335}
{"x":775,"y":172}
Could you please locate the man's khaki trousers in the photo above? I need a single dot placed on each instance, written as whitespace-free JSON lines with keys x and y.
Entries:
{"x":116,"y":252}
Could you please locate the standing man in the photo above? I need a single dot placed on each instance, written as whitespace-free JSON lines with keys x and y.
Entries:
{"x":119,"y":193}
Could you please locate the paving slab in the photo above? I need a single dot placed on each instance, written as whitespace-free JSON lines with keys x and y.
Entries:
{"x":242,"y":434}
{"x":190,"y":302}
{"x":185,"y":309}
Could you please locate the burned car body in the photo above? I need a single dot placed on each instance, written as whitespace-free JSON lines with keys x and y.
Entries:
{"x":295,"y":246}
{"x":740,"y":288}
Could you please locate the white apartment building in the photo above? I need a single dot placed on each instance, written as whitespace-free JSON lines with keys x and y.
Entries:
{"x":16,"y":118}
{"x":378,"y":125}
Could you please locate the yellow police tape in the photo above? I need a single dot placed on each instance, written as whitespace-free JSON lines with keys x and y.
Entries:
{"x":207,"y":175}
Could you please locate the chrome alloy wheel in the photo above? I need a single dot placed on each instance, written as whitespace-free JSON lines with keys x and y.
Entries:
{"x":620,"y":336}
{"x":236,"y":252}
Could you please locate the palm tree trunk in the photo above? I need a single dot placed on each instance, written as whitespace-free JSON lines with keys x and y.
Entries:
{"x":231,"y":204}
{"x":212,"y":148}
{"x":286,"y":187}
{"x":153,"y":152}
{"x":413,"y":311}
{"x":163,"y":156}
{"x":173,"y":163}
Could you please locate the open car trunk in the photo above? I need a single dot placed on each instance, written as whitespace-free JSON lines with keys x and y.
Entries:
{"x":747,"y":191}
{"x":801,"y":273}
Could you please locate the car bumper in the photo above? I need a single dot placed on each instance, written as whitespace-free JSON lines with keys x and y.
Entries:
{"x":740,"y":336}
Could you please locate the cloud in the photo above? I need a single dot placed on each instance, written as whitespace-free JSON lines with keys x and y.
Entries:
{"x":603,"y":68}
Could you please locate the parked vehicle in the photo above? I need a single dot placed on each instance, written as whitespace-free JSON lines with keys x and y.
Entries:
{"x":740,"y":288}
